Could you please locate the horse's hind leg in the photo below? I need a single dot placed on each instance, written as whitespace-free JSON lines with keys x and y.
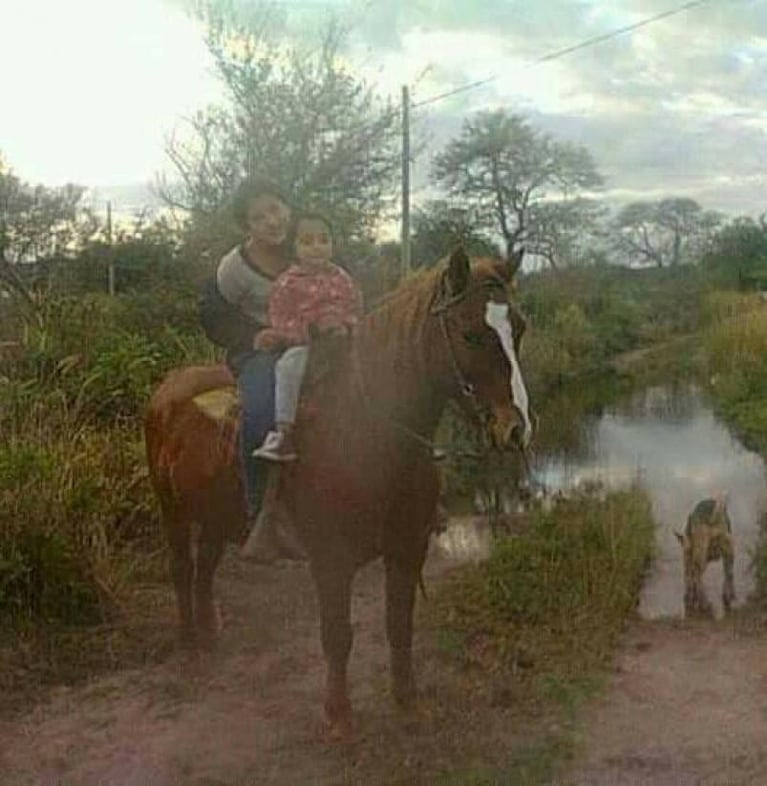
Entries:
{"x":177,"y":530}
{"x":209,"y":552}
{"x":334,"y":586}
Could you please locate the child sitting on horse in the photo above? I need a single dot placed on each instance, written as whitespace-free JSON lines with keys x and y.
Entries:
{"x":314,"y":295}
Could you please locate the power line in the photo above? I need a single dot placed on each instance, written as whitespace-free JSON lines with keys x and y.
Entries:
{"x":567,"y":50}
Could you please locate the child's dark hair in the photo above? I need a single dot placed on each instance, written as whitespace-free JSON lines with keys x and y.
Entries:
{"x":308,"y":216}
{"x":249,"y":190}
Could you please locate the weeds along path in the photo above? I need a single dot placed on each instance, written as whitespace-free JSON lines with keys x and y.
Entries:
{"x":251,"y":713}
{"x":687,"y":704}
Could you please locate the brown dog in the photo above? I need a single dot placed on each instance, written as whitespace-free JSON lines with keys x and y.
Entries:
{"x":707,"y":538}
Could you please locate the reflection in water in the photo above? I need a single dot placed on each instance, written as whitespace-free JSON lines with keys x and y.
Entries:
{"x":670,"y":440}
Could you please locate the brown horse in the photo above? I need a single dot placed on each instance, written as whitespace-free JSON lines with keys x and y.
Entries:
{"x":365,"y":484}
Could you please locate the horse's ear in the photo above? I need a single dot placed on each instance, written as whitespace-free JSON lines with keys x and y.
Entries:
{"x":458,"y":271}
{"x":513,"y":263}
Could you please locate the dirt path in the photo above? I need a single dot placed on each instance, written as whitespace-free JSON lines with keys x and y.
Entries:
{"x":250,"y":713}
{"x":687,"y":705}
{"x":247,"y":714}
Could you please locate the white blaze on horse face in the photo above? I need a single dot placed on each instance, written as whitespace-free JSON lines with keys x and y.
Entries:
{"x":497,"y":316}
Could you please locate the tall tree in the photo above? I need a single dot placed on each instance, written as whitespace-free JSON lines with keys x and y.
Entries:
{"x":664,"y":232}
{"x":737,"y":254}
{"x":569,"y":232}
{"x":508,"y":171}
{"x":299,"y":118}
{"x":438,"y":227}
{"x":38,"y":225}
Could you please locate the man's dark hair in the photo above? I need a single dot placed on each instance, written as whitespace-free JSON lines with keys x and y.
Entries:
{"x":249,"y":190}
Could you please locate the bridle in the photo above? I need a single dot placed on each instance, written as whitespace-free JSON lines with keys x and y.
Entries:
{"x":440,"y":307}
{"x":478,"y":411}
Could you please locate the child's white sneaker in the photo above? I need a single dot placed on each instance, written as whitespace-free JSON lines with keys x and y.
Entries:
{"x":278,"y":446}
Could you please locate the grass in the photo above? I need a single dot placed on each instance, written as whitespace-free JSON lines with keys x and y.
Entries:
{"x":542,"y":616}
{"x":735,"y":347}
{"x":82,"y":565}
{"x":582,"y":319}
{"x":79,"y":548}
{"x":535,"y":763}
{"x":735,"y":360}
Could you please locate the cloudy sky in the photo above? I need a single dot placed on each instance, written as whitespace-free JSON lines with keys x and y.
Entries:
{"x":90,"y":88}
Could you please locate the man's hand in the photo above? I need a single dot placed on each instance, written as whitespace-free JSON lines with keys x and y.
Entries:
{"x":268,"y":340}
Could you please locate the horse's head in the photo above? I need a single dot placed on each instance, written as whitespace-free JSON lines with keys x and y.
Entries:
{"x":482,"y":333}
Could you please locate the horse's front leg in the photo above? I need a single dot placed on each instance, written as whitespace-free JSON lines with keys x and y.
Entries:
{"x":405,"y":543}
{"x":334,"y":586}
{"x":401,"y":580}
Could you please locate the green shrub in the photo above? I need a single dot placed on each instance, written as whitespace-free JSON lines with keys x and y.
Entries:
{"x":579,"y":560}
{"x":735,"y":356}
{"x":562,"y":587}
{"x":76,"y":509}
{"x":42,"y":578}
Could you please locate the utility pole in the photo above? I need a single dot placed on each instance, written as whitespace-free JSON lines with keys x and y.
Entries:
{"x":110,"y":252}
{"x":405,"y":237}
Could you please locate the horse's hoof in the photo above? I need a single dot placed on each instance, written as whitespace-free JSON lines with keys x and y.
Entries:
{"x":339,"y":731}
{"x":338,"y":716}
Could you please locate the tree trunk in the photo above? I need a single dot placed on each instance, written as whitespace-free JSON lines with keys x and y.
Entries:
{"x":677,"y":252}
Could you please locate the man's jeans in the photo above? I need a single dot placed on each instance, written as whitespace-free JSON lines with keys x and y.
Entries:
{"x":255,"y":381}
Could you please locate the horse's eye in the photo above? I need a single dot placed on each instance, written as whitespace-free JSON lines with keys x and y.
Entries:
{"x":475,"y":338}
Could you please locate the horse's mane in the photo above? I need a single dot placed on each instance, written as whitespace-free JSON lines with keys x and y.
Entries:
{"x":398,"y":319}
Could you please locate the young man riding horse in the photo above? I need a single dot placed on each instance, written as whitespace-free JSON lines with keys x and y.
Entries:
{"x":234,"y":311}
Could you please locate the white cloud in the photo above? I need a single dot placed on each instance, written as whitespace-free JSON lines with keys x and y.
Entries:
{"x":90,"y":88}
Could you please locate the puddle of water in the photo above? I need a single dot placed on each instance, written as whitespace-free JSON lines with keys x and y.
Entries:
{"x":680,"y":453}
